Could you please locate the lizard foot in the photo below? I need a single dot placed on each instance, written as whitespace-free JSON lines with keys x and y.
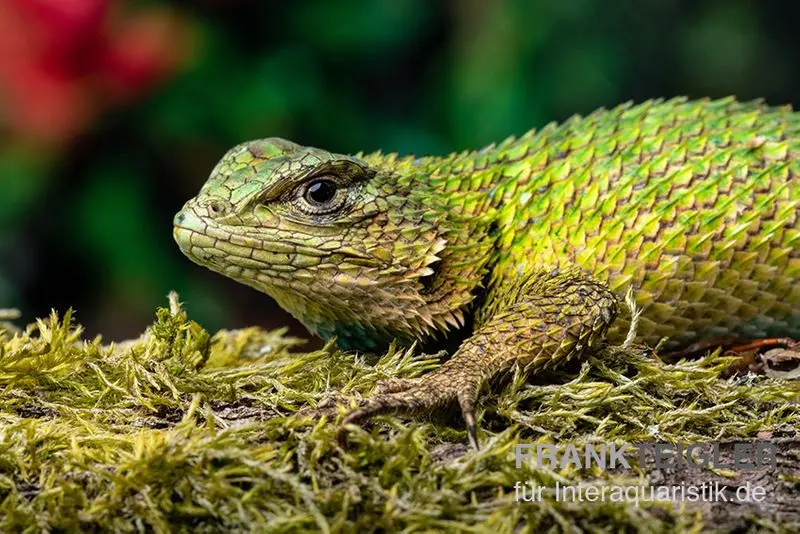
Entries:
{"x":418,"y":395}
{"x":330,"y":406}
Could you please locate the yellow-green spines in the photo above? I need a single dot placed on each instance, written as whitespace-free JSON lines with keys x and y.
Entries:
{"x":639,"y":191}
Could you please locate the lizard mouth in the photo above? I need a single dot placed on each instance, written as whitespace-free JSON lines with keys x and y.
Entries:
{"x":232,"y":251}
{"x":187,"y":238}
{"x":207,"y":243}
{"x":189,"y":232}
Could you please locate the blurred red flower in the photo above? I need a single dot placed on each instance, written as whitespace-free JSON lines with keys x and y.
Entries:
{"x":62,"y":62}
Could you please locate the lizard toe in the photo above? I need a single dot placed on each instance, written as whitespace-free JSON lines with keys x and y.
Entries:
{"x":418,"y":395}
{"x":327,"y":408}
{"x":394,"y":385}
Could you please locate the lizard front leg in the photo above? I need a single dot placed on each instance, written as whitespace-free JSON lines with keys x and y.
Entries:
{"x":543,"y":318}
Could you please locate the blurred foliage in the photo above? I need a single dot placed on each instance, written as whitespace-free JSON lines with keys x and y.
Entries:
{"x":112,"y":112}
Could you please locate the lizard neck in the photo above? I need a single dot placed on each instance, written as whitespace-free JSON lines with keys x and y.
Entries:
{"x":465,"y":216}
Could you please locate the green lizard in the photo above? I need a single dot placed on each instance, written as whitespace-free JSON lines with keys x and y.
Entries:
{"x":692,"y":204}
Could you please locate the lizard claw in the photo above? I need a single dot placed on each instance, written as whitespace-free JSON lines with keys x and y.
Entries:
{"x":466,"y":399}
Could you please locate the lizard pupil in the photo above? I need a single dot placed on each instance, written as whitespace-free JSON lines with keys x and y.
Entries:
{"x":321,"y":191}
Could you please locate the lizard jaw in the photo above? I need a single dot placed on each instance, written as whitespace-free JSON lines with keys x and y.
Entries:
{"x":335,"y":311}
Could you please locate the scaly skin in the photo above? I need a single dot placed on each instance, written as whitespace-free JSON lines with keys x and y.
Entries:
{"x":693,"y":204}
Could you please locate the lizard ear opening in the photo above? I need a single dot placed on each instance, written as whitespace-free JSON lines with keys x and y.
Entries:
{"x":429,"y":280}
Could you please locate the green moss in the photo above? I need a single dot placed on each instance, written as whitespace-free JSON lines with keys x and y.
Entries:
{"x":185,"y":431}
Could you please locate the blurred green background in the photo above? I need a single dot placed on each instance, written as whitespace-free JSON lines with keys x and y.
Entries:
{"x":113,"y":112}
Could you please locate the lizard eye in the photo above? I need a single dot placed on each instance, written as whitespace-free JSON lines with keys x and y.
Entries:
{"x":321,"y":196}
{"x":320,"y":192}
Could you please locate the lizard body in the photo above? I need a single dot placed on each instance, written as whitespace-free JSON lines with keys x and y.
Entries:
{"x":693,"y":204}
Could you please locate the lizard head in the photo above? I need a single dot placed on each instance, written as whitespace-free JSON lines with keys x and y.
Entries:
{"x":345,"y":244}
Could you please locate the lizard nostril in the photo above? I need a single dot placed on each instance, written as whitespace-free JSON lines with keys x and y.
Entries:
{"x":216,"y":207}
